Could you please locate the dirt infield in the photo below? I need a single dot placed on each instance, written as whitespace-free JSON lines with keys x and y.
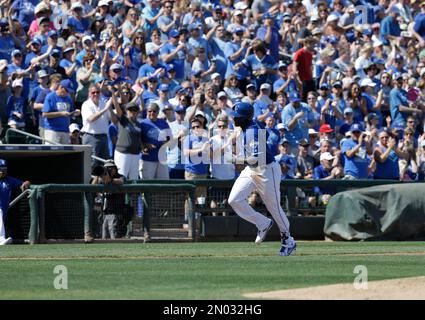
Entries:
{"x":395,"y":289}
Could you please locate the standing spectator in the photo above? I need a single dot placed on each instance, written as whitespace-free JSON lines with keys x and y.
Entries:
{"x":128,"y":147}
{"x":179,"y":129}
{"x":7,"y":185}
{"x":16,"y":106}
{"x":235,"y":52}
{"x":390,"y":28}
{"x":155,"y":133}
{"x":303,"y":66}
{"x":57,"y":110}
{"x":387,"y":156}
{"x":297,"y":116}
{"x":96,"y":116}
{"x":355,"y":152}
{"x":269,"y":33}
{"x":196,"y":152}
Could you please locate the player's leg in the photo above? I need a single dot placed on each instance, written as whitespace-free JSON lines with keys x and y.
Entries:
{"x":241,"y":189}
{"x":3,"y":239}
{"x":269,"y":190}
{"x":270,"y":193}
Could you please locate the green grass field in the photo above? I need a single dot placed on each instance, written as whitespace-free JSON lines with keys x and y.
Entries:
{"x":196,"y":270}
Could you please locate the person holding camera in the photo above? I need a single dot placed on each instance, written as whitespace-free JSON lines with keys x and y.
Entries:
{"x":110,"y":203}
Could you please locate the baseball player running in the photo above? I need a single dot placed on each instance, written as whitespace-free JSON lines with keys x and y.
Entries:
{"x":261,"y":173}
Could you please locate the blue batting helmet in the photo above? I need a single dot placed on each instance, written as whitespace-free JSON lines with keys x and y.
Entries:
{"x":243,"y":110}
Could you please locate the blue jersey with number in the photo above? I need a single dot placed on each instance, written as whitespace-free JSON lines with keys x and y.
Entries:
{"x":257,"y":150}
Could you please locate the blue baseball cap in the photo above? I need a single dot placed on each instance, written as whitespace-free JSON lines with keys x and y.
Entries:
{"x":56,"y":52}
{"x":36,"y":40}
{"x":3,"y":163}
{"x":267,"y":16}
{"x":153,"y":53}
{"x":282,"y":65}
{"x":16,"y":52}
{"x":68,"y":49}
{"x":52,"y":33}
{"x":337,"y":84}
{"x":238,"y":30}
{"x":170,"y":67}
{"x":67,"y":84}
{"x":294,"y":97}
{"x":195,"y":73}
{"x":180,"y":108}
{"x":174,"y":33}
{"x":193,"y":26}
{"x":217,"y":7}
{"x":356,"y":128}
{"x":116,"y":66}
{"x":324,"y":86}
{"x":99,"y":79}
{"x":367,"y":32}
{"x":163,"y":87}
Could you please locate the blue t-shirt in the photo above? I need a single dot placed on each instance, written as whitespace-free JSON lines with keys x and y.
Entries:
{"x":273,"y":46}
{"x":398,"y":97}
{"x":420,"y":24}
{"x":254,"y":64}
{"x":54,"y":103}
{"x":7,"y":185}
{"x":24,"y":11}
{"x":197,"y":164}
{"x":300,"y":131}
{"x":389,"y":169}
{"x":16,"y":104}
{"x":40,"y":99}
{"x":156,"y":133}
{"x":320,"y":172}
{"x":273,"y":141}
{"x":229,"y":50}
{"x":356,"y":166}
{"x":291,"y":87}
{"x":79,"y":26}
{"x":178,"y":60}
{"x":389,"y":27}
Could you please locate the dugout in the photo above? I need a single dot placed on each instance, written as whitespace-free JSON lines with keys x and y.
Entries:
{"x":42,"y":164}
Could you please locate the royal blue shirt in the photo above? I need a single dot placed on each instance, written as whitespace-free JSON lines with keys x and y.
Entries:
{"x":178,"y":60}
{"x":389,"y":27}
{"x":356,"y":166}
{"x":54,"y":103}
{"x":319,"y":173}
{"x":389,"y":169}
{"x":273,"y":46}
{"x":253,"y":63}
{"x":155,"y":133}
{"x":195,"y":164}
{"x":229,"y":50}
{"x":7,"y":185}
{"x":256,"y":147}
{"x":420,"y":24}
{"x":398,"y":97}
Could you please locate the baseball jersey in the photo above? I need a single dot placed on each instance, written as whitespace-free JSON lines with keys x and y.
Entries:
{"x":7,"y":185}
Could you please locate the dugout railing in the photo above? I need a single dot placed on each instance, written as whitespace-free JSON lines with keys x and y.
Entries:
{"x":56,"y":211}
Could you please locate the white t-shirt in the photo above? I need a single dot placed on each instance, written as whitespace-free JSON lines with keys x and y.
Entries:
{"x":221,"y":166}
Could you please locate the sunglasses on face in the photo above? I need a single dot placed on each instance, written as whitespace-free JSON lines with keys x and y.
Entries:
{"x":385,"y":137}
{"x":95,"y":92}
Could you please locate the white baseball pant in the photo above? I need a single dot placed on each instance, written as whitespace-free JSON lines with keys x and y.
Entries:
{"x":2,"y":229}
{"x":266,"y":180}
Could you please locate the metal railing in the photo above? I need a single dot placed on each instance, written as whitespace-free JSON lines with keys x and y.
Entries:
{"x":30,"y":135}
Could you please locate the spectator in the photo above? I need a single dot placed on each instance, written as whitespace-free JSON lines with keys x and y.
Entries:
{"x":355,"y":152}
{"x":179,"y":129}
{"x":75,"y":134}
{"x":57,"y":110}
{"x":325,"y":171}
{"x":16,"y":106}
{"x":96,"y":116}
{"x":128,"y":147}
{"x":155,"y":133}
{"x":387,"y":155}
{"x":303,"y":66}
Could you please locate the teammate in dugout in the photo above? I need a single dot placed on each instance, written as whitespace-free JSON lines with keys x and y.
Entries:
{"x":261,"y":173}
{"x":7,"y":185}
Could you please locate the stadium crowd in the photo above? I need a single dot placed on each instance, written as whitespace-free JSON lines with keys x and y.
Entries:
{"x":338,"y":85}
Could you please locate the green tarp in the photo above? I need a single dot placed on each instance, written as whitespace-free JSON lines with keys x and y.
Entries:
{"x":386,"y":212}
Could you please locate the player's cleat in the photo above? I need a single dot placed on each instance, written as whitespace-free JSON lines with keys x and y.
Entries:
{"x":6,"y":241}
{"x":261,"y":234}
{"x":288,"y":246}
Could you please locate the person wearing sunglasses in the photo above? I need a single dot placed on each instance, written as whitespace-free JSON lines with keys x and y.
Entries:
{"x":97,"y":114}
